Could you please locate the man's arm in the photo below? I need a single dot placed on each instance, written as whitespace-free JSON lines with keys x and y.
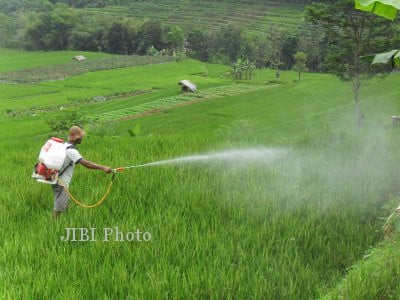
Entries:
{"x":91,"y":165}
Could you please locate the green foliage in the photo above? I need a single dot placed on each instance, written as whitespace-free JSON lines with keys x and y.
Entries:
{"x":62,"y":122}
{"x":375,"y":277}
{"x":96,"y":29}
{"x":351,"y":33}
{"x":50,"y":30}
{"x":288,"y":229}
{"x":151,"y":51}
{"x":135,"y":131}
{"x":242,"y":69}
{"x":15,"y":6}
{"x":175,"y":38}
{"x":289,"y":47}
{"x":383,"y":8}
{"x":276,"y":62}
{"x":300,"y":65}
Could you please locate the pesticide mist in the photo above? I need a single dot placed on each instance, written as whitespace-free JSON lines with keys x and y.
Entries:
{"x":342,"y":169}
{"x":242,"y":157}
{"x":346,"y":169}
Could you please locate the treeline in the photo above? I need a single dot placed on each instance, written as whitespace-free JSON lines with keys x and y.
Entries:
{"x":45,"y":26}
{"x":61,"y":27}
{"x":102,"y":3}
{"x":7,"y":6}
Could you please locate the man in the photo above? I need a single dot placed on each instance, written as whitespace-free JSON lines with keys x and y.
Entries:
{"x":73,"y":157}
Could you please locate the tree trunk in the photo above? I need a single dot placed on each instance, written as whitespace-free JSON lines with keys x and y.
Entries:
{"x":356,"y":92}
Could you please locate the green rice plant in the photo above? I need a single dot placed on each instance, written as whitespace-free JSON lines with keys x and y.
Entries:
{"x":284,"y":228}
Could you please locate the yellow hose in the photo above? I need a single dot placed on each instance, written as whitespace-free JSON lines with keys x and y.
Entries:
{"x":82,"y":204}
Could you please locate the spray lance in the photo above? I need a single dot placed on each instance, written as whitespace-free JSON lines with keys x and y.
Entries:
{"x":120,"y":169}
{"x":263,"y":155}
{"x":99,"y":202}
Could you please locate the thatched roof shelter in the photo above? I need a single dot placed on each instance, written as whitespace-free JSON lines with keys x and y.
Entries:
{"x":187,"y":86}
{"x":79,"y":58}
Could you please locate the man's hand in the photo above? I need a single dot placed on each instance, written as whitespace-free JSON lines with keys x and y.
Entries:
{"x":91,"y":165}
{"x":107,"y":169}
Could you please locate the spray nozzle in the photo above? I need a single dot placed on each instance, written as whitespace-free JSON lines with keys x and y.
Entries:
{"x":118,"y":169}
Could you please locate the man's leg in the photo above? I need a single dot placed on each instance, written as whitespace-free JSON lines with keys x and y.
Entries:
{"x":60,"y":200}
{"x":55,"y":214}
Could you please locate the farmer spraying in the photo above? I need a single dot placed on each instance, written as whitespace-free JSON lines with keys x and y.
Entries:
{"x":58,"y":170}
{"x":57,"y":161}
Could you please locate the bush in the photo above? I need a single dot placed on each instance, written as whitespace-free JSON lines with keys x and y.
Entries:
{"x":62,"y":122}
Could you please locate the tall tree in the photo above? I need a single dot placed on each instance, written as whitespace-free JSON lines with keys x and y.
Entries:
{"x":300,"y":65}
{"x":351,"y":33}
{"x":62,"y":19}
{"x":151,"y":33}
{"x":231,"y":41}
{"x":289,"y":49}
{"x":175,"y":38}
{"x":313,"y":43}
{"x":196,"y":44}
{"x":117,"y":39}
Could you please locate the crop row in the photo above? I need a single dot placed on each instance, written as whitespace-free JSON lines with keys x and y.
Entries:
{"x":63,"y":71}
{"x":211,"y":93}
{"x":34,"y":110}
{"x":209,"y":14}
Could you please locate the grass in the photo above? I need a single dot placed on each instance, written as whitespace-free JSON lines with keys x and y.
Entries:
{"x":289,"y":228}
{"x":13,"y":60}
{"x":62,"y":71}
{"x":376,"y":275}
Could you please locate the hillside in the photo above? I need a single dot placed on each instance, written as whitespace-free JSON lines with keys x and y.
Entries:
{"x":254,"y":17}
{"x":258,"y":189}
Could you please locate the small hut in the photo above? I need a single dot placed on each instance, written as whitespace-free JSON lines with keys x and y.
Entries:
{"x":187,"y":86}
{"x":79,"y":58}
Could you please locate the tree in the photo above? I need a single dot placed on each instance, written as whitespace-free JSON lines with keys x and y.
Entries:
{"x":300,"y":64}
{"x":276,"y":62}
{"x":236,"y":70}
{"x":8,"y":27}
{"x":350,"y":33}
{"x":151,"y":33}
{"x":248,"y":68}
{"x":242,"y":69}
{"x":260,"y":48}
{"x":288,"y":50}
{"x":387,"y":9}
{"x":175,"y":38}
{"x":36,"y":30}
{"x":230,"y":40}
{"x":116,"y":39}
{"x":49,"y":30}
{"x":62,"y":20}
{"x":313,"y":43}
{"x":196,"y":45}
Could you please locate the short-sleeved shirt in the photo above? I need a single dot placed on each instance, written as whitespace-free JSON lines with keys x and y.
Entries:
{"x":73,"y":156}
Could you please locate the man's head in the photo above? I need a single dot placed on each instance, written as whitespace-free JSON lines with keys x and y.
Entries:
{"x":76,"y":134}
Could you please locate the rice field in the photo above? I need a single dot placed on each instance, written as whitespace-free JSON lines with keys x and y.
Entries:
{"x":303,"y":200}
{"x":254,"y":17}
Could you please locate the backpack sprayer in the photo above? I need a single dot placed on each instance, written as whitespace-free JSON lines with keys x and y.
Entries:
{"x":51,"y":159}
{"x":50,"y":167}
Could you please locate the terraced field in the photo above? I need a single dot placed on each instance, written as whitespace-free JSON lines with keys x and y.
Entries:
{"x":254,"y":17}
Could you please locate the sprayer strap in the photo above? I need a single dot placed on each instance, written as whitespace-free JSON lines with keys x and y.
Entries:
{"x":70,"y":164}
{"x":63,"y":170}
